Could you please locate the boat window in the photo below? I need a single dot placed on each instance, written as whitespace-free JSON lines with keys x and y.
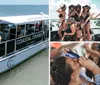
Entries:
{"x":29,"y":29}
{"x":12,"y":32}
{"x":20,"y":30}
{"x":1,"y":32}
{"x":32,"y":28}
{"x":2,"y":49}
{"x":36,"y":27}
{"x":4,"y":32}
{"x":43,"y":26}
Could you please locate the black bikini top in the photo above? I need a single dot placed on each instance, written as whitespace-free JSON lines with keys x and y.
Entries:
{"x":60,"y":15}
{"x":85,"y":17}
{"x":68,"y":30}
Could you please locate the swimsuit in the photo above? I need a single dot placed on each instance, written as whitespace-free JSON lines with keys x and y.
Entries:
{"x":60,"y":15}
{"x":69,"y":37}
{"x":68,"y":30}
{"x":84,"y":19}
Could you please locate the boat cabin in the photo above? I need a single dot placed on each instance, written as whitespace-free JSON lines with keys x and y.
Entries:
{"x":18,"y":32}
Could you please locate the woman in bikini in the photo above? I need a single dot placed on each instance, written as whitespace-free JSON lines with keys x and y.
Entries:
{"x":62,"y":16}
{"x":85,"y":15}
{"x":75,"y":13}
{"x":78,"y":23}
{"x":70,"y":31}
{"x":71,"y":13}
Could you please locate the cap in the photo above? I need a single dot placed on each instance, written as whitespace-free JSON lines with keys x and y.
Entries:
{"x":71,"y":54}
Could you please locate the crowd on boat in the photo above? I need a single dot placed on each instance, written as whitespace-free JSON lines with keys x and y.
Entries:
{"x":8,"y":32}
{"x":68,"y":67}
{"x":77,"y":26}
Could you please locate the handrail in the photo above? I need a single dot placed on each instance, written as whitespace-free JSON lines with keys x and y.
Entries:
{"x":6,"y":42}
{"x":28,"y":35}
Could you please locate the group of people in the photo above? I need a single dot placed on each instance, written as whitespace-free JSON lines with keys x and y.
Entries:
{"x":68,"y":68}
{"x":35,"y":27}
{"x":77,"y":26}
{"x":9,"y":32}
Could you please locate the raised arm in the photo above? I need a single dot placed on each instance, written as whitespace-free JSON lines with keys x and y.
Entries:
{"x":69,"y":46}
{"x":95,"y":16}
{"x":94,"y":52}
{"x":57,"y":52}
{"x":59,"y":11}
{"x":79,"y":15}
{"x":90,"y":65}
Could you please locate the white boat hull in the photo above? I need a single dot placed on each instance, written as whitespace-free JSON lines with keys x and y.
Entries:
{"x":15,"y":59}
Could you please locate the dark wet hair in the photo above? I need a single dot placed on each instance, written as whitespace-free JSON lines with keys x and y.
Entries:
{"x":63,"y":72}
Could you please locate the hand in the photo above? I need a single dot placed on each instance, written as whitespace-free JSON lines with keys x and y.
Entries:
{"x":82,"y":25}
{"x":90,"y":65}
{"x":62,"y":38}
{"x":92,"y":14}
{"x":86,"y":46}
{"x":65,"y":33}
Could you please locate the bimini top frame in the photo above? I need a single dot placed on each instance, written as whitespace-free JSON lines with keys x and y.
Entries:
{"x":23,"y":19}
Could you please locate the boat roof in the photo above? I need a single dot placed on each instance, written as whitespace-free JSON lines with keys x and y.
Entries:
{"x":23,"y":19}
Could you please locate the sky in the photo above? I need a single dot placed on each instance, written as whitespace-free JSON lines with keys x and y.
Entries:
{"x":54,"y":5}
{"x":24,"y":2}
{"x":97,"y":2}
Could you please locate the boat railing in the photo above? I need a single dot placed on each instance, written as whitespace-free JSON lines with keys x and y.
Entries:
{"x":2,"y":49}
{"x":11,"y":46}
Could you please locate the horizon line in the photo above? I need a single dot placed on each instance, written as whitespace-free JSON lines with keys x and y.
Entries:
{"x":24,"y":4}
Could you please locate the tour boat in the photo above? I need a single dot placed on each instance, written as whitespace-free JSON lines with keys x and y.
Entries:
{"x":21,"y":37}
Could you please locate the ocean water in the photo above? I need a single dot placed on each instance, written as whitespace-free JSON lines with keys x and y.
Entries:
{"x":13,"y":10}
